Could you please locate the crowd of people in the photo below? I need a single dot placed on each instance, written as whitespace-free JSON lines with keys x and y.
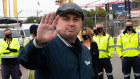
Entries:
{"x":60,"y":54}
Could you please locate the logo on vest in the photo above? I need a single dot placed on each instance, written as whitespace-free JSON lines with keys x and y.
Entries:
{"x":87,"y":62}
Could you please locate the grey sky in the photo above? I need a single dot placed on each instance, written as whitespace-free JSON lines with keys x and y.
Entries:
{"x":29,"y":7}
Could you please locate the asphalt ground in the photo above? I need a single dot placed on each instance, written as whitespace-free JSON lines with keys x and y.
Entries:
{"x":116,"y":63}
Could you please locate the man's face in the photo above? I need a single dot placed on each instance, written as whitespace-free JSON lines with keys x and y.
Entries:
{"x":99,"y":28}
{"x":8,"y":34}
{"x":128,"y":24}
{"x":70,"y":25}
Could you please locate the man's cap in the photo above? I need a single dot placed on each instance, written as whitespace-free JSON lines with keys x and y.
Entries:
{"x":70,"y":7}
{"x":33,"y":28}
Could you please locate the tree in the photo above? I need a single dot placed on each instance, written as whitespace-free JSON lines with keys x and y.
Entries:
{"x":101,"y":13}
{"x":31,"y":19}
{"x":89,"y":20}
{"x":87,"y":13}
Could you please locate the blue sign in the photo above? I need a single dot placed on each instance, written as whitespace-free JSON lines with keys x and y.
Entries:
{"x":120,"y":8}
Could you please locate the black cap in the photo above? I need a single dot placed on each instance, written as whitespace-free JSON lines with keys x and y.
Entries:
{"x":33,"y":28}
{"x":70,"y":7}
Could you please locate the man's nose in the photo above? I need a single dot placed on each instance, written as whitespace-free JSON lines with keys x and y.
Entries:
{"x":71,"y":22}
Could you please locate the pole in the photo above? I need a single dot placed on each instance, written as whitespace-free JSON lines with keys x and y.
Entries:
{"x":129,"y":9}
{"x":37,"y":16}
{"x":106,"y":19}
{"x":95,"y":16}
{"x":17,"y":18}
{"x":9,"y":8}
{"x":106,"y":22}
{"x":17,"y":21}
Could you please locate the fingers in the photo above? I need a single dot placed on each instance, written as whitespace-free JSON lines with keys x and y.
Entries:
{"x":43,"y":19}
{"x":50,"y":18}
{"x":54,"y":22}
{"x":47,"y":18}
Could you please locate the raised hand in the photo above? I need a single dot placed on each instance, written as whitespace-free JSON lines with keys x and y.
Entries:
{"x":45,"y":31}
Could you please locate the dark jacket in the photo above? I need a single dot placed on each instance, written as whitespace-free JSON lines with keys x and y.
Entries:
{"x":94,"y":52}
{"x":57,"y":61}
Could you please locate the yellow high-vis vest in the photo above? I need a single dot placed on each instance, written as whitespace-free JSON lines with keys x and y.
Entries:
{"x":105,"y":46}
{"x":128,"y":45}
{"x":14,"y":44}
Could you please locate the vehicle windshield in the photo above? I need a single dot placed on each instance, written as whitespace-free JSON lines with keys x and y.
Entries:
{"x":27,"y":33}
{"x":15,"y":34}
{"x":1,"y":33}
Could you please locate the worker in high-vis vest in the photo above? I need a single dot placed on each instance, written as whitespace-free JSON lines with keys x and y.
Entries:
{"x":106,"y":50}
{"x":9,"y":50}
{"x":33,"y":34}
{"x":128,"y":49}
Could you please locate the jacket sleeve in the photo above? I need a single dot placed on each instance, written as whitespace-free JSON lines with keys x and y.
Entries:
{"x":31,"y":57}
{"x":94,"y":50}
{"x":119,"y":46}
{"x":3,"y":49}
{"x":111,"y":48}
{"x":16,"y":46}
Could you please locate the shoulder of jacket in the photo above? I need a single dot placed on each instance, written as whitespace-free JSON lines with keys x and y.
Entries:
{"x":14,"y":39}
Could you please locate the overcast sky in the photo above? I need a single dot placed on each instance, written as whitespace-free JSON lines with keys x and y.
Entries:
{"x":29,"y":7}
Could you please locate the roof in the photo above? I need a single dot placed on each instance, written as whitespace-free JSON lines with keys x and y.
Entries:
{"x":5,"y":20}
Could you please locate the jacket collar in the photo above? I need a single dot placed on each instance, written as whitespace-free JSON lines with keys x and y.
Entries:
{"x":125,"y":31}
{"x":64,"y":41}
{"x":104,"y":34}
{"x":5,"y":39}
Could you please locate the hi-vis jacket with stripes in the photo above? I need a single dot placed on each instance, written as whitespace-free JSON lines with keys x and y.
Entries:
{"x":128,"y":45}
{"x":105,"y":45}
{"x":12,"y":51}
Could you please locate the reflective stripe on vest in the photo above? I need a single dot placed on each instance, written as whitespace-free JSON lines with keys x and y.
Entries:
{"x":9,"y":56}
{"x":129,"y":48}
{"x":118,"y":46}
{"x":103,"y":50}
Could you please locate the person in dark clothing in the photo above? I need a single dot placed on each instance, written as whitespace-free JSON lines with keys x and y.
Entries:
{"x":92,"y":46}
{"x":59,"y":54}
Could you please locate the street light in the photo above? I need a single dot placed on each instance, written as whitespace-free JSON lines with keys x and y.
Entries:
{"x":17,"y":18}
{"x":95,"y":16}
